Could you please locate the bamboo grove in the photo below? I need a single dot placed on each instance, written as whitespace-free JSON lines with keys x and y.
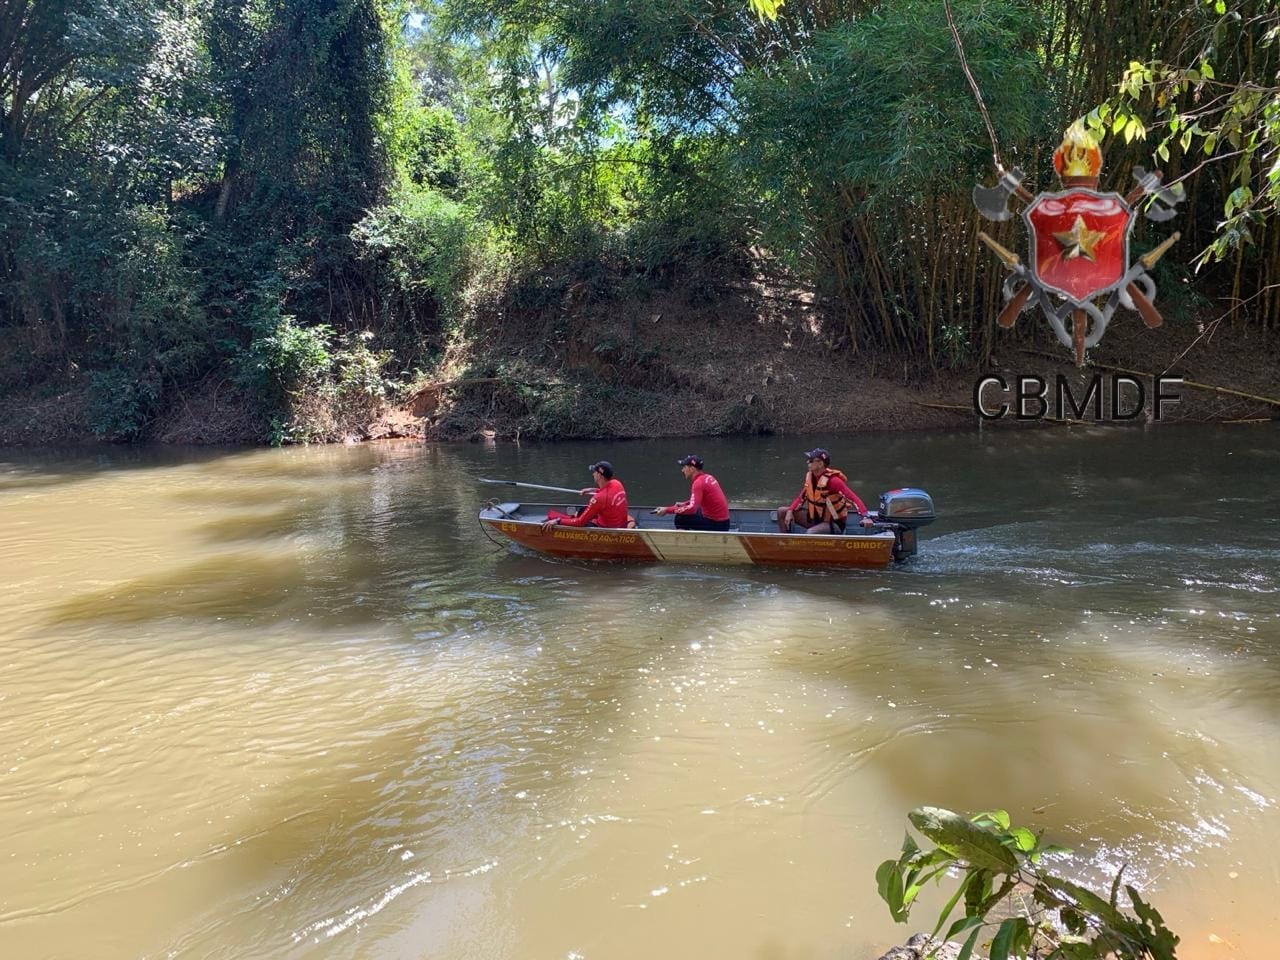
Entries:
{"x":259,"y":192}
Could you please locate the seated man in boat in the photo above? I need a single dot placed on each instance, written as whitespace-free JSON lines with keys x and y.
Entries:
{"x":825,"y":498}
{"x":606,"y":508}
{"x":706,"y":508}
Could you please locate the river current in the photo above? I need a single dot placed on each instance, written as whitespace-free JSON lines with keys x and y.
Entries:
{"x":293,"y":703}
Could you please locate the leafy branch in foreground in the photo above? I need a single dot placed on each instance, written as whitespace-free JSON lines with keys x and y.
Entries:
{"x":1228,"y":115}
{"x":1043,"y":916}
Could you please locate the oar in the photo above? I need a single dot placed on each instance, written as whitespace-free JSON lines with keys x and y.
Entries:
{"x":531,"y":486}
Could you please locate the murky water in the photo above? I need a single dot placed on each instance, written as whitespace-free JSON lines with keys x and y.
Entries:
{"x":293,"y":703}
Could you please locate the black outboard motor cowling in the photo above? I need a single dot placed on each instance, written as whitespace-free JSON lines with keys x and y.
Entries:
{"x":902,"y":511}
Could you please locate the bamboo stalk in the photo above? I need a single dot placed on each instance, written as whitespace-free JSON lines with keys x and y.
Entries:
{"x":943,"y":406}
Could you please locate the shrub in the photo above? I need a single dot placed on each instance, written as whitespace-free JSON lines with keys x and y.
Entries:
{"x":422,"y":245}
{"x":1000,"y":866}
{"x":324,"y":386}
{"x":288,"y":358}
{"x":120,"y":404}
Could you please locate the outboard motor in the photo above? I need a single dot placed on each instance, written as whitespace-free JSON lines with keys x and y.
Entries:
{"x":902,"y":511}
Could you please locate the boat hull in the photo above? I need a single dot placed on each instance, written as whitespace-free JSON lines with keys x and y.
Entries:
{"x":650,"y":543}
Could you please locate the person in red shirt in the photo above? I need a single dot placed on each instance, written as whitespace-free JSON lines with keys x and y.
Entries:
{"x":825,"y":497}
{"x":706,"y":508}
{"x":606,"y":508}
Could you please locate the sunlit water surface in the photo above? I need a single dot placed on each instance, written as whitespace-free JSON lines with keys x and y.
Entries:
{"x":287,"y":703}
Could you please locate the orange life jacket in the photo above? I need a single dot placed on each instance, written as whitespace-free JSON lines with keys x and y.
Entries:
{"x":816,"y":497}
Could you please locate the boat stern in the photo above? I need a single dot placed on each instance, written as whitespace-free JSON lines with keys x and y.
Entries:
{"x":904,"y":511}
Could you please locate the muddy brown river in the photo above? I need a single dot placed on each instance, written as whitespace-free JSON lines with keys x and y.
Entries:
{"x":292,"y":703}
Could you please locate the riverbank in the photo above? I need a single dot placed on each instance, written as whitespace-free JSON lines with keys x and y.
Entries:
{"x":763,"y":361}
{"x":749,"y":359}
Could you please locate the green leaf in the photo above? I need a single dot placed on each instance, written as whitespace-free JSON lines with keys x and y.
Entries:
{"x":951,"y":905}
{"x":1096,"y":121}
{"x":976,"y":891}
{"x":889,"y":885}
{"x":766,"y":9}
{"x":999,"y":817}
{"x":1075,"y":951}
{"x":1046,"y":897}
{"x":1073,"y":920}
{"x":967,"y":950}
{"x":1133,"y":77}
{"x":1003,"y":942}
{"x":963,"y":924}
{"x":1024,"y":838}
{"x":991,"y":900}
{"x":1115,"y":884}
{"x":909,"y":846}
{"x":964,"y":839}
{"x":914,"y":886}
{"x":1160,"y":941}
{"x":1089,"y":902}
{"x":882,"y":878}
{"x":1240,"y":197}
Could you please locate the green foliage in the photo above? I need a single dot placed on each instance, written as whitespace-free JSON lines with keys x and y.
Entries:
{"x":423,"y":244}
{"x":307,"y":83}
{"x":1001,"y":870}
{"x":862,"y":154}
{"x":288,"y":359}
{"x":1211,"y":105}
{"x":120,"y":404}
{"x":153,"y":333}
{"x":432,"y":149}
{"x":875,"y":103}
{"x":196,"y":191}
{"x":766,"y":9}
{"x":176,"y":179}
{"x":103,"y":106}
{"x":322,"y":385}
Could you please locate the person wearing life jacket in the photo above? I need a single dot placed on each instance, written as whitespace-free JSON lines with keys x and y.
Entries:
{"x":606,"y":508}
{"x":706,"y":508}
{"x":823,"y":504}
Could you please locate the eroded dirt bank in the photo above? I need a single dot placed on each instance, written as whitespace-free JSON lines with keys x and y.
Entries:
{"x":748,"y":360}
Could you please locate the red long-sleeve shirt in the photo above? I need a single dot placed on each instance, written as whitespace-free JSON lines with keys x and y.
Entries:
{"x":835,"y":485}
{"x":705,"y":495}
{"x":607,"y":507}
